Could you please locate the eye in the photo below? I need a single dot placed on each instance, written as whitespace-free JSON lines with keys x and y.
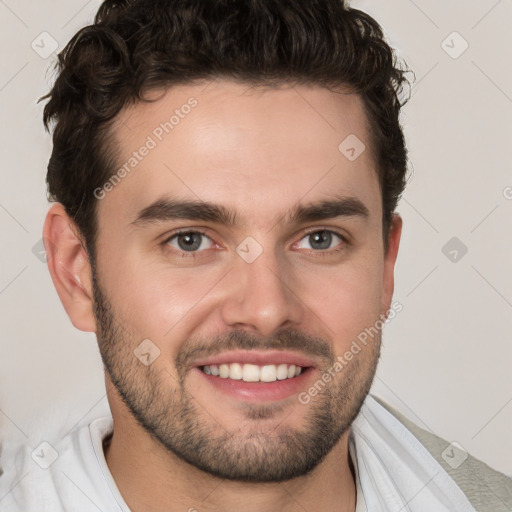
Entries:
{"x":190,"y":241}
{"x":320,"y":240}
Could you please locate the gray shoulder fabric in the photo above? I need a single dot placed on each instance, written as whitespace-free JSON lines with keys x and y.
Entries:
{"x":488,"y":490}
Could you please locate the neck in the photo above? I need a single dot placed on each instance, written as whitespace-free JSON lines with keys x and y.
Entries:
{"x":151,"y":479}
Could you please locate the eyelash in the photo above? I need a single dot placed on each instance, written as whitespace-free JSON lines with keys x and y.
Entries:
{"x":184,"y":254}
{"x":317,"y":254}
{"x":327,"y":252}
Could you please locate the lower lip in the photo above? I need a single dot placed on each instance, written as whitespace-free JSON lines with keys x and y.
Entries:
{"x":259,"y":391}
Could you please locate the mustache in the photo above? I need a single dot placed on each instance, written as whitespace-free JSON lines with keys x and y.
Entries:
{"x":285,"y":339}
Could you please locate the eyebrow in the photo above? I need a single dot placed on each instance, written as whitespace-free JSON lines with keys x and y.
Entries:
{"x":340,"y":206}
{"x":171,"y":209}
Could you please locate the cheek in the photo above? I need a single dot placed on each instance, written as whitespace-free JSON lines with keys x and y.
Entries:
{"x":163,"y":303}
{"x":346,"y":299}
{"x":159,"y":302}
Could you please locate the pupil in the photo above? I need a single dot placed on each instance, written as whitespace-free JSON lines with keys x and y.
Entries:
{"x":189,"y":241}
{"x":320,"y":240}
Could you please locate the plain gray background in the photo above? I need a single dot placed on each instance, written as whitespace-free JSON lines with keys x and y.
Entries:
{"x":447,"y":356}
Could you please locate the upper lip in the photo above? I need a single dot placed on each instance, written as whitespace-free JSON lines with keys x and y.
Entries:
{"x":260,"y":358}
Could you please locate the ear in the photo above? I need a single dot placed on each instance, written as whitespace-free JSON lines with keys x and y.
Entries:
{"x":388,"y":283}
{"x":69,"y":267}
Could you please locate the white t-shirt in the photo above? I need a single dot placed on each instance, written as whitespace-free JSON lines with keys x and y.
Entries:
{"x":394,"y":471}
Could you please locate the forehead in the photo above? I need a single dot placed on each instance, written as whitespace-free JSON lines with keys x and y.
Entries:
{"x":252,"y":149}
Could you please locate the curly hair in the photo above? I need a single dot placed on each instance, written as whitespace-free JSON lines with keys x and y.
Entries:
{"x":136,"y":46}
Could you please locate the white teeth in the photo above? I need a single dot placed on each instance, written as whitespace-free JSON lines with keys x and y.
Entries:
{"x":282,"y":371}
{"x":268,"y":373}
{"x":223,"y":371}
{"x":253,"y":372}
{"x":235,"y":371}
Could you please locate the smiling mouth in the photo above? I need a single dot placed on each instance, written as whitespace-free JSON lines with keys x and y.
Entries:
{"x":252,"y":372}
{"x":257,"y":376}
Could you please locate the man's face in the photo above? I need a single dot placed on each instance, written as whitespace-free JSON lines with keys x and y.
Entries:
{"x":240,"y":243}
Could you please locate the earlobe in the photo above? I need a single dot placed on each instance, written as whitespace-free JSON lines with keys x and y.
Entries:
{"x":395,"y":233}
{"x":69,"y":267}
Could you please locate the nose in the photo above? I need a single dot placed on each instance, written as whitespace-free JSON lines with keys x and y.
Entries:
{"x":261,"y":296}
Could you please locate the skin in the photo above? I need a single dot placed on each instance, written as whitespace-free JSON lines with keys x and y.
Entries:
{"x":258,"y":152}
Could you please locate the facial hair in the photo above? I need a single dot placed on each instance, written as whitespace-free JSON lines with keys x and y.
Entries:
{"x":165,"y":407}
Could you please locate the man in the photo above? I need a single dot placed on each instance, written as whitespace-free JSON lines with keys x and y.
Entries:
{"x":226,"y":175}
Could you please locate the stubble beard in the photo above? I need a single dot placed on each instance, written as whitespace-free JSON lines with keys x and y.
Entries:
{"x":261,"y":452}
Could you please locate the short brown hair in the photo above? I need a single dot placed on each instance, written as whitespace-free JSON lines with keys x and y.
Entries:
{"x":135,"y":46}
